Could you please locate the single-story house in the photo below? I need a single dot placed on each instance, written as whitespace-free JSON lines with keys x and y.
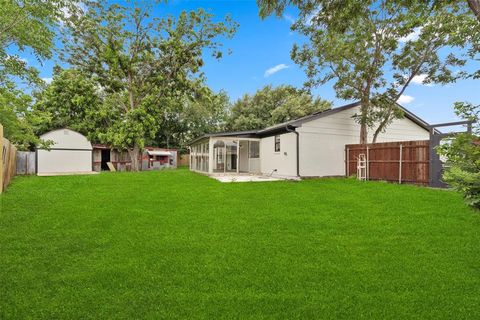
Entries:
{"x":152,"y":158}
{"x":70,"y":153}
{"x":312,"y":146}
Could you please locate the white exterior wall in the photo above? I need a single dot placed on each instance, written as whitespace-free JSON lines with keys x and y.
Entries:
{"x":63,"y":161}
{"x":70,"y":152}
{"x":243,"y":164}
{"x":284,"y":161}
{"x":322,"y":141}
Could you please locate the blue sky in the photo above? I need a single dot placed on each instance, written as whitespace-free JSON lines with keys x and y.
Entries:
{"x":262,"y":45}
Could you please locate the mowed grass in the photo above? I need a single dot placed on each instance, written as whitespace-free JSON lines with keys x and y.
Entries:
{"x":175,"y":244}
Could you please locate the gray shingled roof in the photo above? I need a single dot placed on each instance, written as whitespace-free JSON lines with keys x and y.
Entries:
{"x":298,"y":122}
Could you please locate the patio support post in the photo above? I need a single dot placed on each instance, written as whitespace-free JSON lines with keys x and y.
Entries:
{"x":238,"y":153}
{"x":248,"y":155}
{"x":211,"y":159}
{"x":190,"y":156}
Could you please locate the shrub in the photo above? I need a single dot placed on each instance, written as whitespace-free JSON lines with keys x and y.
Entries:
{"x":463,"y":157}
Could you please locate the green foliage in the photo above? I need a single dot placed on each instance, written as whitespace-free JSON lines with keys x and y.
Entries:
{"x":72,"y":100}
{"x":19,"y":123}
{"x":373,"y":49}
{"x":25,"y":26}
{"x":28,"y":25}
{"x":463,"y":157}
{"x":269,"y":106}
{"x":184,"y":119}
{"x":145,"y":66}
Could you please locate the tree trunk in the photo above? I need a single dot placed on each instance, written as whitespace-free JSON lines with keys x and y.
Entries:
{"x":475,"y":7}
{"x":363,"y":121}
{"x":134,"y":157}
{"x":381,"y":126}
{"x":363,"y":133}
{"x":377,"y":132}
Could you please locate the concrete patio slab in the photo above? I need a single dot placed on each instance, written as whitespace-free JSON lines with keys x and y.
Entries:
{"x":245,"y":178}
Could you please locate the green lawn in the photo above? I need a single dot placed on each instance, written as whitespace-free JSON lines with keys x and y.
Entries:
{"x":175,"y":244}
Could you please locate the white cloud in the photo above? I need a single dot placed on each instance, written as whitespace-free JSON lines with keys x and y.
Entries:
{"x":419,"y":79}
{"x":275,"y":69}
{"x":405,"y":99}
{"x":47,"y":80}
{"x":412,"y":36}
{"x":289,"y":18}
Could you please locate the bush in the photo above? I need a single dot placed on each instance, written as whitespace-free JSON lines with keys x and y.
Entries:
{"x":468,"y":183}
{"x":463,"y":157}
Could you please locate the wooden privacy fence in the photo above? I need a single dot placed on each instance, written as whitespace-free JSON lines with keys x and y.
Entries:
{"x":8,"y":154}
{"x":402,"y":162}
{"x":184,"y":160}
{"x":25,"y":163}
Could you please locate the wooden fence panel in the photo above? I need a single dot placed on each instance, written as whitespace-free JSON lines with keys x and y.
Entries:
{"x":8,"y":155}
{"x":403,"y":162}
{"x":25,"y":163}
{"x":184,"y":160}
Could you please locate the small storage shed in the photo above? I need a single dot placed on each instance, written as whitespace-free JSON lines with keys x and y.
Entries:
{"x":71,"y":152}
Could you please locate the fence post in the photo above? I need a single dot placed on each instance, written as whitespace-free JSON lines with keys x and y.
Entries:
{"x":367,"y":169}
{"x":1,"y":158}
{"x":400,"y":165}
{"x":347,"y":154}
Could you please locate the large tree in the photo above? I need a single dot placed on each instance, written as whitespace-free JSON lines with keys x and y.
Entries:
{"x":269,"y":106}
{"x":475,"y":7}
{"x":191,"y":116}
{"x":71,"y":100}
{"x":25,"y":27}
{"x":373,"y":49}
{"x":141,"y":63}
{"x":19,"y":123}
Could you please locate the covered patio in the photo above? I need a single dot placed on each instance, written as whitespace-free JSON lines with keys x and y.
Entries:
{"x":221,"y":155}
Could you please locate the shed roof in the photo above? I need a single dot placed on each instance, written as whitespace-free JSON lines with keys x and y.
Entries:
{"x":159,"y":153}
{"x":67,"y":139}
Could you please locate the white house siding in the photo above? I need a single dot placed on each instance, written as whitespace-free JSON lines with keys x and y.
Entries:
{"x":322,"y":141}
{"x":243,"y":156}
{"x":285,"y":161}
{"x":70,"y":152}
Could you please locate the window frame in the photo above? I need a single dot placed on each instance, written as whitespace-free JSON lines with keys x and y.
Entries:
{"x":276,"y":144}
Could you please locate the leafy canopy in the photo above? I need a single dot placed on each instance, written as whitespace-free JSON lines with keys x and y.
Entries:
{"x":143,"y":64}
{"x":373,"y":49}
{"x":25,"y":27}
{"x":190,"y":117}
{"x":71,"y":100}
{"x":269,"y":106}
{"x":20,"y":125}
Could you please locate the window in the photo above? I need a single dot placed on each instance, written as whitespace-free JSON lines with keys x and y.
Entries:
{"x":277,"y":143}
{"x":254,"y":150}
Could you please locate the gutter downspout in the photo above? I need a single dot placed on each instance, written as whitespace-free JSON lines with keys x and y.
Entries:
{"x":292,"y":129}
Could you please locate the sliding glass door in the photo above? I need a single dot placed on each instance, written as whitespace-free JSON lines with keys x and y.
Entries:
{"x":231,"y":156}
